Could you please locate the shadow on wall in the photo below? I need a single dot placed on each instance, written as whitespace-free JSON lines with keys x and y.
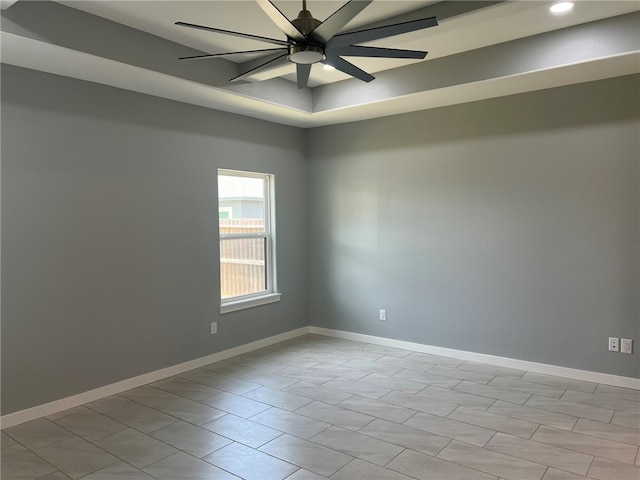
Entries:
{"x":531,"y":112}
{"x":46,"y":92}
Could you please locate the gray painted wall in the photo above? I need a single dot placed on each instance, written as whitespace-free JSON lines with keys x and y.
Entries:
{"x":109,"y":227}
{"x":507,"y":227}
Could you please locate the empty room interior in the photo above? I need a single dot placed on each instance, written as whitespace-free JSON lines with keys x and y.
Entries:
{"x":269,"y":240}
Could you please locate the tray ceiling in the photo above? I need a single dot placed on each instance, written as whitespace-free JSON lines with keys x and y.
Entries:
{"x":479,"y":50}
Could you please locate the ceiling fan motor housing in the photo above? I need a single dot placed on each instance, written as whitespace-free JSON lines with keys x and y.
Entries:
{"x":304,"y":53}
{"x":305,"y":22}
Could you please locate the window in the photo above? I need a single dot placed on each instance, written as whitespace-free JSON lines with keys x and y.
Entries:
{"x":245,"y":215}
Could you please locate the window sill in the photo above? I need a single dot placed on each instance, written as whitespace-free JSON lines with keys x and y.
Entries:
{"x":234,"y":306}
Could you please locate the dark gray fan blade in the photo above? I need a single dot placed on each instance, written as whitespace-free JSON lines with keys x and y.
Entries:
{"x":275,"y":41}
{"x":270,"y":63}
{"x":349,"y":68}
{"x":332,"y":25}
{"x":370,"y":34}
{"x":303,"y":71}
{"x":362,"y":51}
{"x":200,"y":57}
{"x":281,"y":20}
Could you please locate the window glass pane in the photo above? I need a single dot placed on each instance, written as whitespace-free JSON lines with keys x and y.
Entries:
{"x":242,"y":266}
{"x":242,"y":199}
{"x":246,"y":244}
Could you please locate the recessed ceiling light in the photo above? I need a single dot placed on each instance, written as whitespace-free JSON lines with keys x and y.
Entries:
{"x":326,"y":66}
{"x":561,"y":7}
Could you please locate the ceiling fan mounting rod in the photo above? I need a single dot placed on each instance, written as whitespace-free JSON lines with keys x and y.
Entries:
{"x":305,"y":23}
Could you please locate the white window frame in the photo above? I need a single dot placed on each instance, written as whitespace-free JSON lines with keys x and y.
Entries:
{"x":269,"y":295}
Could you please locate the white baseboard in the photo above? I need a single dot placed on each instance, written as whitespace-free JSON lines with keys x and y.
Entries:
{"x":595,"y":377}
{"x":118,"y":387}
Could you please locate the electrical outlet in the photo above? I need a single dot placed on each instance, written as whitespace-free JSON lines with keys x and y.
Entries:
{"x":626,"y":345}
{"x":383,"y":315}
{"x":614,"y":344}
{"x":214,"y":328}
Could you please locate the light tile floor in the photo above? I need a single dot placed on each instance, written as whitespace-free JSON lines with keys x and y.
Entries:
{"x":316,"y":407}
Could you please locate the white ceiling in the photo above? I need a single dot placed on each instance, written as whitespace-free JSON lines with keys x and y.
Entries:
{"x":501,"y":49}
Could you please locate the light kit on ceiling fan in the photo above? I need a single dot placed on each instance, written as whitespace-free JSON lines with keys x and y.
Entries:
{"x":306,"y":54}
{"x":311,"y":41}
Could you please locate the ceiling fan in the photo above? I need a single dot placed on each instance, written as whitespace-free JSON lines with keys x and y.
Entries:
{"x":311,"y":41}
